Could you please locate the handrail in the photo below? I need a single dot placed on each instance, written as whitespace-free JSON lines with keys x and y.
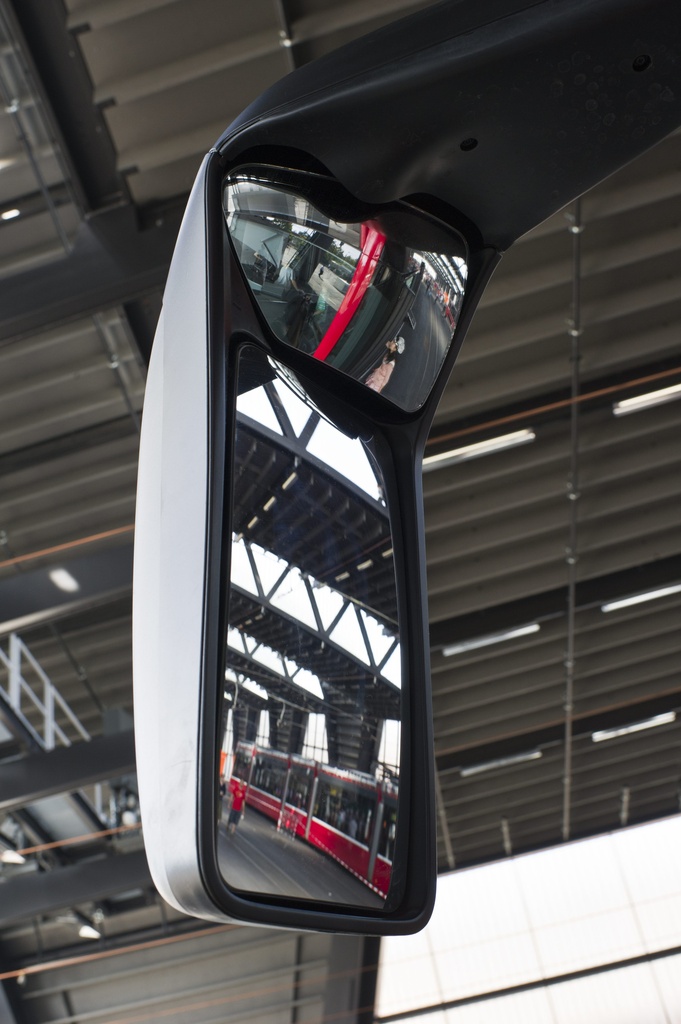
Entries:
{"x":19,"y":690}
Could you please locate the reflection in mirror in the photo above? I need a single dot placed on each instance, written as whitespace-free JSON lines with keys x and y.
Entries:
{"x":311,"y":723}
{"x":378,"y":299}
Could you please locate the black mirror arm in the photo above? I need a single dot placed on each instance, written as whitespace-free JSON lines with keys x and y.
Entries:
{"x":506,"y":121}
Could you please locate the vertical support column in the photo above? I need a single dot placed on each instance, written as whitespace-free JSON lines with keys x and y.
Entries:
{"x":350,"y":990}
{"x":571,"y":555}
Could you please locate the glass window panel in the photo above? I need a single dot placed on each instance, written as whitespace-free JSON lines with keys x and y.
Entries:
{"x":660,"y":922}
{"x":468,"y":970}
{"x":329,"y":603}
{"x":392,"y":670}
{"x":407,"y":977}
{"x":269,"y":567}
{"x":572,"y":882}
{"x":379,"y":638}
{"x":307,"y":681}
{"x":532,"y":1007}
{"x":256,"y":405}
{"x":293,"y":599}
{"x":572,"y":907}
{"x":667,"y":974}
{"x":588,"y":940}
{"x":348,"y":635}
{"x":241,"y":570}
{"x":344,"y":454}
{"x":650,"y":859}
{"x":297,"y":412}
{"x":487,"y":904}
{"x":627,"y":996}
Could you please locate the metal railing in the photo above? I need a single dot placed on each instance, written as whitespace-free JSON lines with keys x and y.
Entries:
{"x":21,"y":695}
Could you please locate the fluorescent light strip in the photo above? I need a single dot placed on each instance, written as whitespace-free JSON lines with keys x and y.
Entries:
{"x":647,"y":595}
{"x":502,"y":762}
{"x":628,"y":405}
{"x":10,"y":214}
{"x":477,"y":450}
{"x":648,"y":723}
{"x":491,"y":638}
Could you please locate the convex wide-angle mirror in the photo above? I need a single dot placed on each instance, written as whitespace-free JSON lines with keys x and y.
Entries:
{"x":335,"y":245}
{"x":377,"y":298}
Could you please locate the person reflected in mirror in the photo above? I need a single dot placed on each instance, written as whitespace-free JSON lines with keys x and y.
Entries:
{"x":222,"y":796}
{"x":285,"y":275}
{"x":301,"y":303}
{"x":379,"y":377}
{"x":237,"y":789}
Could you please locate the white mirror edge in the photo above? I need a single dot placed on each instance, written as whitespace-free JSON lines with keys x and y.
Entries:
{"x":169,"y":571}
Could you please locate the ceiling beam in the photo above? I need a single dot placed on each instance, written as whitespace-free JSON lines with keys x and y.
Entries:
{"x":59,"y":72}
{"x":29,"y":598}
{"x":115,"y":259}
{"x":30,"y":895}
{"x":63,"y":446}
{"x":65,"y":769}
{"x":7,"y":1014}
{"x":464,"y":756}
{"x":596,"y":393}
{"x":553,"y":603}
{"x":32,"y":598}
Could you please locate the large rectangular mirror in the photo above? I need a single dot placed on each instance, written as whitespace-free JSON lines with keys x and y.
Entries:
{"x":311,"y":710}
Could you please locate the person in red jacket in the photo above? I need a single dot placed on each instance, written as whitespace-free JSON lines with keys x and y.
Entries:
{"x":238,"y":790}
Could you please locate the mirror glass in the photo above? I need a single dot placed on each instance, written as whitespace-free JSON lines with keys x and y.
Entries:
{"x":377,"y":298}
{"x":311,"y":722}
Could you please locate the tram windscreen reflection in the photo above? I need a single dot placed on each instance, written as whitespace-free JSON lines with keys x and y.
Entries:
{"x":311,"y":721}
{"x":378,"y":299}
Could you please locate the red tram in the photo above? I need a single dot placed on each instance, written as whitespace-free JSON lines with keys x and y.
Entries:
{"x":348,"y":815}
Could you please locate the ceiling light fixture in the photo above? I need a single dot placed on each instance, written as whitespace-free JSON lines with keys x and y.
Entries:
{"x":666,"y":718}
{"x":646,"y":595}
{"x":63,"y":579}
{"x":661,"y":397}
{"x":10,"y":856}
{"x":88,"y":931}
{"x":10,"y":214}
{"x":489,"y":639}
{"x":477,"y":450}
{"x":501,"y":762}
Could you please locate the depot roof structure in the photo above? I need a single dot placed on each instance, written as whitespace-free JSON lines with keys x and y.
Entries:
{"x":552,"y":488}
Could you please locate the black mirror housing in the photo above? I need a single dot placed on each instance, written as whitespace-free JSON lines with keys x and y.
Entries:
{"x":188,"y":470}
{"x":220,"y":727}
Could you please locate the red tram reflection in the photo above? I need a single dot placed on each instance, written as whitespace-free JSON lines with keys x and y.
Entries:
{"x":348,"y":815}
